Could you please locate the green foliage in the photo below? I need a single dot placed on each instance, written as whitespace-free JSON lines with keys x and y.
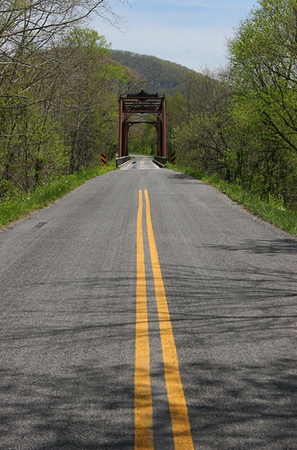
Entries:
{"x":143,"y":139}
{"x":58,"y":96}
{"x":88,"y":39}
{"x":8,"y":190}
{"x":263,"y":66}
{"x":91,"y":119}
{"x":58,"y":110}
{"x":34,"y":152}
{"x":276,"y":201}
{"x":199,"y":126}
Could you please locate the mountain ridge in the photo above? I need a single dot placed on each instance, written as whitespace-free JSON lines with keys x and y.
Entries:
{"x":161,"y":76}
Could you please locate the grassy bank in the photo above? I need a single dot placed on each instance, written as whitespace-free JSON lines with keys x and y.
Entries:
{"x":14,"y":209}
{"x":272,"y":211}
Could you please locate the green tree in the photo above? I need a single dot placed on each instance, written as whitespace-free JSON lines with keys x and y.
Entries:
{"x":32,"y":91}
{"x":263,"y":66}
{"x":89,"y":97}
{"x":143,"y":138}
{"x":199,"y":123}
{"x":262,"y":59}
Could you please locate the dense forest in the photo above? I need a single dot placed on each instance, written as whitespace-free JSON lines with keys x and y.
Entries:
{"x":59,"y":91}
{"x":60,"y":83}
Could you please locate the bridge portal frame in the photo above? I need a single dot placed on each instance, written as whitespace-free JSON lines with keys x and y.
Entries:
{"x":136,"y":105}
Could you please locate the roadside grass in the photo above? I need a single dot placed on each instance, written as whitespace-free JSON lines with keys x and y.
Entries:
{"x":16,"y":208}
{"x":272,"y":211}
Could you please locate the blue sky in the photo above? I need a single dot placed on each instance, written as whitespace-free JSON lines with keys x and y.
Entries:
{"x":189,"y":32}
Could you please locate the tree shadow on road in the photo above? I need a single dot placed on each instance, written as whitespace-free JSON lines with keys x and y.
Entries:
{"x":71,"y":387}
{"x":68,"y":378}
{"x":235,"y":328}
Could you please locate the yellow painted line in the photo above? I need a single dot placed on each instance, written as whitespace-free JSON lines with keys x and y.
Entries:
{"x":143,"y":409}
{"x":176,"y":398}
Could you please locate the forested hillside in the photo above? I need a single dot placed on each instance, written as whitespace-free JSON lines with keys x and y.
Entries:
{"x":159,"y":76}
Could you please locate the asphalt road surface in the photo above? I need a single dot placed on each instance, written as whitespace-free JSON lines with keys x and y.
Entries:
{"x":147,"y":310}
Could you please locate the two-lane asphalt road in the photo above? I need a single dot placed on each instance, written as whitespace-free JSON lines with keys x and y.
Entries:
{"x":147,"y":310}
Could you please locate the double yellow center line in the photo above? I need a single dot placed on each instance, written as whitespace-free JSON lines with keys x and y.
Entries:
{"x":143,"y":396}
